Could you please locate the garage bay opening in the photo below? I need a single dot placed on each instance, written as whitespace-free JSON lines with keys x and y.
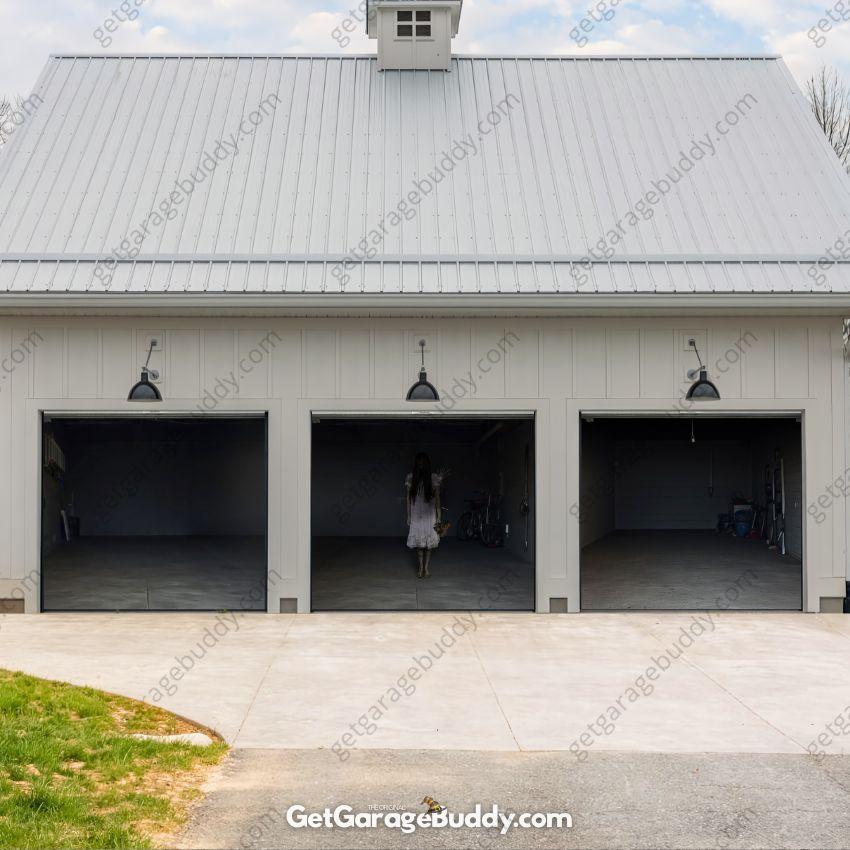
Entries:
{"x":694,"y":513}
{"x":158,"y":513}
{"x":364,"y":554}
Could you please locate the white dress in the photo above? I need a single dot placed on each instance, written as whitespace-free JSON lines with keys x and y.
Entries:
{"x":423,"y":516}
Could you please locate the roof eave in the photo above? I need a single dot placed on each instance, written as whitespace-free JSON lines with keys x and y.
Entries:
{"x":388,"y":305}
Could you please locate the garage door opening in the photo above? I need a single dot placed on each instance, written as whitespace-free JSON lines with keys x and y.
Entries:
{"x":691,"y":513}
{"x":154,"y":514}
{"x":360,"y":557}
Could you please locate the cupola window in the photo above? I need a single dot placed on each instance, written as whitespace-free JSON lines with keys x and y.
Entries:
{"x":405,"y":27}
{"x":404,"y":24}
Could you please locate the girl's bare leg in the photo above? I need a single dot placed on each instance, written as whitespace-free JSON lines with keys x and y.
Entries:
{"x":427,"y":561}
{"x":420,"y":554}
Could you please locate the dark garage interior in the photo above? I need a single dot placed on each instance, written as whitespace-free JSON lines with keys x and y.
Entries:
{"x":691,"y":513}
{"x":360,"y":560}
{"x":154,"y":513}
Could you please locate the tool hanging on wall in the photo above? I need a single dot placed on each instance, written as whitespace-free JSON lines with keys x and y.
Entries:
{"x":524,"y":507}
{"x":769,"y":506}
{"x":775,"y":501}
{"x":53,"y":456}
{"x":780,"y":525}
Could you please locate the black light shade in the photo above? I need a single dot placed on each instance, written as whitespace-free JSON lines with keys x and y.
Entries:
{"x":703,"y":388}
{"x":144,"y":390}
{"x":422,"y":390}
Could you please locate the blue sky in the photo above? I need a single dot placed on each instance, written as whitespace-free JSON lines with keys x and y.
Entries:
{"x":35,"y":28}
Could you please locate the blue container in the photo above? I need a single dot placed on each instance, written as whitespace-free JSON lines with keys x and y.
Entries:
{"x":742,"y":529}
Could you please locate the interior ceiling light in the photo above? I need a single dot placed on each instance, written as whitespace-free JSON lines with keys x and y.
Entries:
{"x":145,"y":390}
{"x":422,"y":390}
{"x":702,"y":389}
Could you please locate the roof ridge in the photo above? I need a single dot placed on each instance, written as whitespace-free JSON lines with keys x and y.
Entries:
{"x":589,"y":57}
{"x":429,"y":259}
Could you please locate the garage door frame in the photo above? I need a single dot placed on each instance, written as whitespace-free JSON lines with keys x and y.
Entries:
{"x":579,"y":410}
{"x":312,"y":410}
{"x":131,"y":414}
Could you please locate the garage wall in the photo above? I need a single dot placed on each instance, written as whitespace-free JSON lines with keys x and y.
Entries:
{"x":598,"y":481}
{"x":358,"y":489}
{"x":557,"y":366}
{"x":51,"y":494}
{"x":168,"y":488}
{"x":512,"y":447}
{"x":665,"y":484}
{"x":358,"y":486}
{"x":51,"y":534}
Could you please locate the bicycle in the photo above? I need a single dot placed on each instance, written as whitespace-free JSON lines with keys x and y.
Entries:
{"x":482,"y":520}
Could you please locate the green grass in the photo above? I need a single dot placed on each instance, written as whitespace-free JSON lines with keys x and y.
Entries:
{"x":70,"y":775}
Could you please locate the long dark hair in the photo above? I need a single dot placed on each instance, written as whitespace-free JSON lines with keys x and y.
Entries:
{"x":422,"y":477}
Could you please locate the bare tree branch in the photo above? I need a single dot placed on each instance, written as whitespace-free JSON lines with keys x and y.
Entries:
{"x":14,"y":115}
{"x":5,"y":116}
{"x":829,"y":97}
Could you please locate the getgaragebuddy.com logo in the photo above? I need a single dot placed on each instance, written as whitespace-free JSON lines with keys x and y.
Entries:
{"x":437,"y":817}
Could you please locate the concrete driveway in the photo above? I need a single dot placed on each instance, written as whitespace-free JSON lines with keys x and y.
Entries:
{"x":663,"y":683}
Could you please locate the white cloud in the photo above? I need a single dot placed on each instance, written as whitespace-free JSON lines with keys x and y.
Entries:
{"x":326,"y":32}
{"x":782,"y":27}
{"x":804,"y":59}
{"x":488,"y":26}
{"x":657,"y":37}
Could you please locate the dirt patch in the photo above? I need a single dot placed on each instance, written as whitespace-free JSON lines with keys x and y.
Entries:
{"x":185,"y":791}
{"x":157,"y":722}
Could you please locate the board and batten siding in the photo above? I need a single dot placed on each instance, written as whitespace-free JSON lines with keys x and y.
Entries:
{"x":553,"y":367}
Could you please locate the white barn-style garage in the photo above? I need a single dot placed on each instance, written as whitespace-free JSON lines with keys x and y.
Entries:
{"x":625,"y":278}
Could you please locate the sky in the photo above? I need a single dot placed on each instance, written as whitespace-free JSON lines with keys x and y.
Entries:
{"x":32,"y":29}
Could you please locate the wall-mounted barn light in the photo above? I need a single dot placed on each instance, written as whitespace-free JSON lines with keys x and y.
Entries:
{"x":145,"y":390}
{"x":702,"y":389}
{"x":422,"y":390}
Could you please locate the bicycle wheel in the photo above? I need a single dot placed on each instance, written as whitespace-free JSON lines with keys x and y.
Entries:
{"x":492,"y":534}
{"x":466,"y":526}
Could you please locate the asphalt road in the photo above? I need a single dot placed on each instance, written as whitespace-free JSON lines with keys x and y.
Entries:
{"x":629,"y":800}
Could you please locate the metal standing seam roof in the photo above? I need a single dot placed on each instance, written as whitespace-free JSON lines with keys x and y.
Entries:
{"x":574,"y":143}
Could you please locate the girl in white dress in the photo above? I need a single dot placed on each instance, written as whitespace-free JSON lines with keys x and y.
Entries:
{"x":423,"y":510}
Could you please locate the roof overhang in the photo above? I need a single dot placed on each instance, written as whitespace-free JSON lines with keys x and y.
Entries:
{"x":442,"y":305}
{"x":500,"y":283}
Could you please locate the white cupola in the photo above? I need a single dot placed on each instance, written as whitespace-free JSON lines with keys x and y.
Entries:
{"x":413,"y":34}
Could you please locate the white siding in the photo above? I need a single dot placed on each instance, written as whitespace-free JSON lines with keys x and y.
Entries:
{"x":553,"y":367}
